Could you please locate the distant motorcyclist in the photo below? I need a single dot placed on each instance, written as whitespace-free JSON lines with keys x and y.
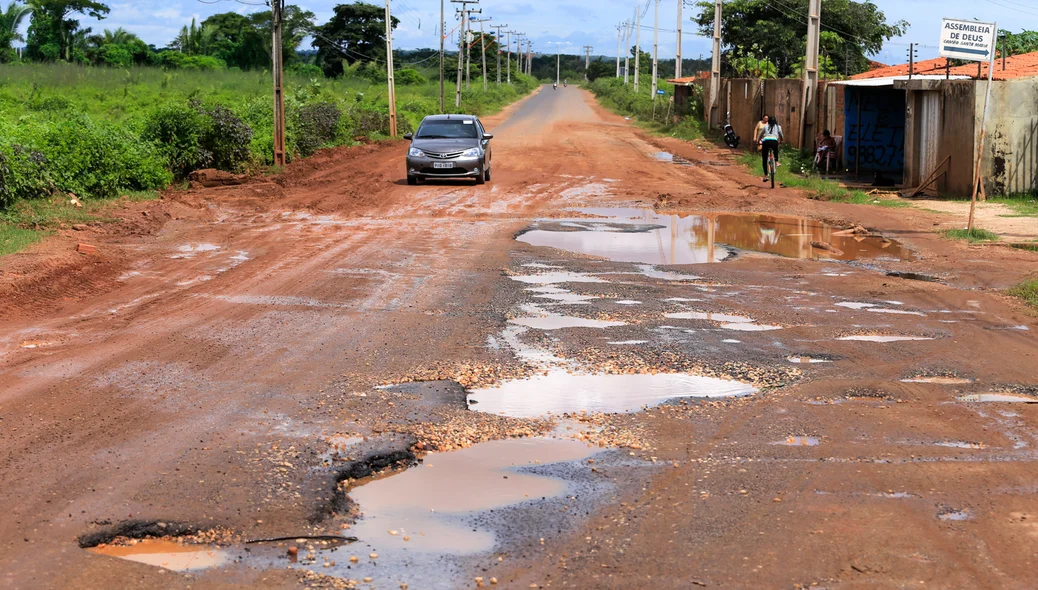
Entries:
{"x":565,"y":83}
{"x":554,"y":85}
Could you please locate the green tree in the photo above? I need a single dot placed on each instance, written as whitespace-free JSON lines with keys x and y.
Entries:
{"x":10,"y":21}
{"x":1017,"y":43}
{"x":855,"y":30}
{"x":52,"y":33}
{"x":356,"y":32}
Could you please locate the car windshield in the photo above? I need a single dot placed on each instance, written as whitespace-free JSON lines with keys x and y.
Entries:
{"x":447,"y":129}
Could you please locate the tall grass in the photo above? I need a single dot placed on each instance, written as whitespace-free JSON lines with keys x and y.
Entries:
{"x":656,"y":115}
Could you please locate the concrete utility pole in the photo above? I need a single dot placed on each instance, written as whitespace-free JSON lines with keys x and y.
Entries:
{"x":677,"y":58}
{"x":461,"y":43}
{"x":587,"y":59}
{"x":519,"y":52}
{"x":529,"y":58}
{"x":443,"y":34}
{"x":715,"y":70}
{"x":468,"y":47}
{"x":558,"y":60}
{"x":807,"y":104}
{"x":655,"y":45}
{"x":497,"y":40}
{"x":627,"y":51}
{"x":509,"y":60}
{"x":638,"y":46}
{"x":619,"y":38}
{"x":276,"y":12}
{"x":483,"y":42}
{"x":389,"y":70}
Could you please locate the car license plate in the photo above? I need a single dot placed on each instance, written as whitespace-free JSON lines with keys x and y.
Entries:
{"x":443,"y":164}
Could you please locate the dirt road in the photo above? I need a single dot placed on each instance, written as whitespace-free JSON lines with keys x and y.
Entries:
{"x":220,"y":369}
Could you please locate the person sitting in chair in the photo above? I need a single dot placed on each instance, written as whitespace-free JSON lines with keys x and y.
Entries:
{"x":826,"y":149}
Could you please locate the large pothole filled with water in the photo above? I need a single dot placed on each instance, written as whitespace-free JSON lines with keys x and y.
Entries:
{"x":642,"y":235}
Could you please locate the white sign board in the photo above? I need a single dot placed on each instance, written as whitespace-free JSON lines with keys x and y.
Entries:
{"x":969,"y":40}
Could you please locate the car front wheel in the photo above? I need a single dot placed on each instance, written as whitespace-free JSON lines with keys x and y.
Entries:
{"x":412,"y":180}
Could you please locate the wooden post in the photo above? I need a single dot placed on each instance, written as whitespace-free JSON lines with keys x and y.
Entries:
{"x":978,"y":180}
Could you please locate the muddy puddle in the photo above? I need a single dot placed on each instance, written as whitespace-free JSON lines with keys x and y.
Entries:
{"x":880,"y":338}
{"x":671,"y":159}
{"x":167,"y":554}
{"x":799,"y":441}
{"x":560,"y":392}
{"x":558,"y":322}
{"x":453,"y":486}
{"x":1003,"y":398}
{"x":642,"y":235}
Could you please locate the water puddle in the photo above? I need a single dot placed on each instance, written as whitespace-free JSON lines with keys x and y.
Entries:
{"x":567,"y":298}
{"x":190,"y":250}
{"x":801,"y":359}
{"x":863,"y":338}
{"x":895,"y":311}
{"x":558,"y":322}
{"x":746,"y":327}
{"x":671,"y":159}
{"x":664,"y":275}
{"x":167,"y":554}
{"x":799,"y":441}
{"x":1004,"y":398}
{"x":914,"y":276}
{"x":644,"y":236}
{"x":702,"y":315}
{"x":628,"y":302}
{"x":855,"y":305}
{"x":553,"y":278}
{"x":939,"y":380}
{"x":954,"y":515}
{"x":560,"y":392}
{"x":960,"y":444}
{"x":629,"y":342}
{"x":426,"y":508}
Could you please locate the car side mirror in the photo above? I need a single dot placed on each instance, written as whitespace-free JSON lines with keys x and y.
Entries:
{"x":488,"y":136}
{"x":409,"y":136}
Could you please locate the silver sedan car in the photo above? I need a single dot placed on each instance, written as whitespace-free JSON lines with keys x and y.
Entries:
{"x":449,"y":146}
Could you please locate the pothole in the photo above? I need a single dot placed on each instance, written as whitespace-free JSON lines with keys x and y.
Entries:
{"x":807,"y":359}
{"x":1005,"y":398}
{"x":559,"y":392}
{"x":558,"y":322}
{"x":799,"y":441}
{"x":166,"y":553}
{"x":938,"y":380}
{"x":881,"y":338}
{"x":950,"y":514}
{"x":651,"y":238}
{"x":425,"y":509}
{"x":671,"y":159}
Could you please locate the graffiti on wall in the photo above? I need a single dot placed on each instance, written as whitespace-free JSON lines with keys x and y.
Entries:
{"x":878,"y":143}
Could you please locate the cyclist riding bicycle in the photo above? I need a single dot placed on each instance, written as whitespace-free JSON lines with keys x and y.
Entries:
{"x":768,"y":138}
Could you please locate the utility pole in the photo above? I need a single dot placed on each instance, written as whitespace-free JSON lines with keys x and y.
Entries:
{"x":277,"y":9}
{"x":509,"y":60}
{"x":638,"y":46}
{"x":655,"y":45}
{"x":497,"y":40}
{"x":461,"y":43}
{"x":389,"y":69}
{"x":715,"y":70}
{"x":443,"y":33}
{"x":627,"y":51}
{"x":483,"y":42}
{"x":807,"y":104}
{"x":587,"y":59}
{"x":529,"y":58}
{"x":677,"y":59}
{"x":519,"y":52}
{"x":619,"y":38}
{"x":911,"y":59}
{"x":468,"y":47}
{"x":558,"y":60}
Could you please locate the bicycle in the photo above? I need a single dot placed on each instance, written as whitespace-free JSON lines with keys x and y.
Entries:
{"x":771,"y":167}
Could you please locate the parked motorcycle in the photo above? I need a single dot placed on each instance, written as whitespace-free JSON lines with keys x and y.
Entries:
{"x":730,"y":138}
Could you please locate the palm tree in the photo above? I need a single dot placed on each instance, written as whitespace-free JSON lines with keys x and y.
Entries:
{"x":10,"y":21}
{"x":195,"y":39}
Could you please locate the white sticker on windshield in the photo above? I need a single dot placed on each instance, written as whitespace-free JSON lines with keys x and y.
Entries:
{"x":467,"y":122}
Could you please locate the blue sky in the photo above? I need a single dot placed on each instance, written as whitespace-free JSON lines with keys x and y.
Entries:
{"x":574,"y":23}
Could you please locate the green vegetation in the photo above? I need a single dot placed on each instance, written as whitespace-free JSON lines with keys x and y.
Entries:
{"x":776,"y":31}
{"x":1022,"y":205}
{"x":796,"y":172}
{"x":657,"y":115}
{"x":975,"y":236}
{"x":1028,"y":291}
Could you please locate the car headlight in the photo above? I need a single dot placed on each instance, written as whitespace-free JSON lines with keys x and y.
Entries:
{"x":415,"y":153}
{"x":472,"y":153}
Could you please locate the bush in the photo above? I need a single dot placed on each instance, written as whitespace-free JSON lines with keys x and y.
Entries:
{"x":177,"y":130}
{"x":226,"y":138}
{"x":315,"y":125}
{"x":409,"y":77}
{"x":24,"y":175}
{"x":307,"y":70}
